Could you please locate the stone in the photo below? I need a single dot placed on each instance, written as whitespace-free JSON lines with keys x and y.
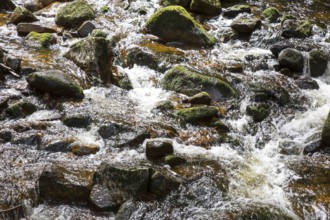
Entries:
{"x":24,"y":29}
{"x":94,"y":56}
{"x":174,"y":160}
{"x":6,"y":5}
{"x":307,"y":83}
{"x":325,"y":136}
{"x":318,"y":62}
{"x":292,"y":59}
{"x":164,"y":106}
{"x":14,"y":63}
{"x":61,"y":145}
{"x":162,"y":183}
{"x":86,"y":28}
{"x":21,"y":14}
{"x":278,"y":47}
{"x":101,"y":199}
{"x":245,"y":25}
{"x":287,"y":17}
{"x":202,"y":98}
{"x":175,"y":24}
{"x":196,"y":115}
{"x":183,"y":80}
{"x":206,"y":7}
{"x":74,"y":14}
{"x":81,"y":149}
{"x":21,"y":109}
{"x":31,"y":138}
{"x":271,"y":14}
{"x":56,"y":83}
{"x":158,"y":148}
{"x":40,"y":40}
{"x":5,"y":135}
{"x":138,"y":56}
{"x":183,"y":3}
{"x":68,"y":183}
{"x":221,"y":127}
{"x":77,"y":120}
{"x":296,"y":28}
{"x":258,"y":112}
{"x":98,"y":33}
{"x":235,"y":10}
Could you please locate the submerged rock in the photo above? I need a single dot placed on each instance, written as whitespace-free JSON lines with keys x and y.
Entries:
{"x":318,"y":62}
{"x":34,"y":39}
{"x":94,"y":56}
{"x":183,"y":3}
{"x":77,"y":120}
{"x":74,"y":14}
{"x":258,"y":112}
{"x":307,"y":83}
{"x":190,"y":82}
{"x":157,"y":148}
{"x":292,"y":59}
{"x":206,"y":7}
{"x":162,"y":183}
{"x":235,"y":10}
{"x":22,"y":14}
{"x":55,"y":83}
{"x":196,"y":115}
{"x":21,"y":109}
{"x":271,"y":14}
{"x":296,"y":28}
{"x":174,"y":24}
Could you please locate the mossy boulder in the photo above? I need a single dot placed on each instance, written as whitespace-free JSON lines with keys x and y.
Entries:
{"x":94,"y":56}
{"x":258,"y":112}
{"x":164,"y":106}
{"x":318,"y":62}
{"x":175,"y":24}
{"x":245,"y":25}
{"x":21,"y":109}
{"x":271,"y":14}
{"x":21,"y":14}
{"x":202,"y":98}
{"x":196,"y":115}
{"x":55,"y":83}
{"x":292,"y":59}
{"x":190,"y":82}
{"x":235,"y":10}
{"x":98,"y":33}
{"x":74,"y":14}
{"x":34,"y":39}
{"x":296,"y":28}
{"x":325,"y":137}
{"x":206,"y":7}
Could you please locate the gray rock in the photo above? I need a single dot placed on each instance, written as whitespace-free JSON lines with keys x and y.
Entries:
{"x":24,"y":29}
{"x":21,"y":109}
{"x":318,"y":62}
{"x":245,"y":26}
{"x":292,"y":59}
{"x":77,"y":120}
{"x":157,"y":148}
{"x":102,"y":199}
{"x":86,"y":28}
{"x":22,"y":14}
{"x":162,"y":183}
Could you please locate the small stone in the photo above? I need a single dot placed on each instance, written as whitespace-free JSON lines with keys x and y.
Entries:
{"x":21,"y":109}
{"x":307,"y":83}
{"x":5,"y":135}
{"x":157,"y":148}
{"x":164,"y":105}
{"x":24,"y":29}
{"x":296,"y":28}
{"x":102,"y":200}
{"x":162,"y":183}
{"x":21,"y":14}
{"x":77,"y":120}
{"x":258,"y":112}
{"x":34,"y":39}
{"x":86,"y":28}
{"x":318,"y":62}
{"x":81,"y":149}
{"x":206,"y":7}
{"x":14,"y":63}
{"x":98,"y":33}
{"x":245,"y":25}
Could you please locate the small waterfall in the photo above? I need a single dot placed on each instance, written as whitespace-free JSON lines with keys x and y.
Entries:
{"x":306,"y":71}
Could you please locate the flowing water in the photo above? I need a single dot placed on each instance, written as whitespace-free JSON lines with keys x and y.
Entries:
{"x":261,"y":176}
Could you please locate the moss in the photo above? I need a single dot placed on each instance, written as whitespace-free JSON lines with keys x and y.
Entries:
{"x":297,"y":28}
{"x":104,"y":9}
{"x":287,"y":17}
{"x":22,"y":14}
{"x":271,"y":14}
{"x":159,"y":48}
{"x":196,"y":115}
{"x":258,"y":112}
{"x":42,"y":39}
{"x":98,"y":33}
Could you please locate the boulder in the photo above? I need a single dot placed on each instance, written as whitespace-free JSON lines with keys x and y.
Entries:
{"x":162,"y":183}
{"x":157,"y":148}
{"x":318,"y":62}
{"x":271,"y":14}
{"x":86,"y":28}
{"x":59,"y":182}
{"x":206,"y":7}
{"x":24,"y":29}
{"x":325,"y":136}
{"x":292,"y":59}
{"x":21,"y":109}
{"x":55,"y":83}
{"x":190,"y":82}
{"x":164,"y":106}
{"x":235,"y":10}
{"x":245,"y":26}
{"x":94,"y":56}
{"x":307,"y":83}
{"x":175,"y":24}
{"x":77,"y":120}
{"x":102,"y":199}
{"x":21,"y":14}
{"x":6,"y":5}
{"x":74,"y":14}
{"x":40,"y":40}
{"x":296,"y":28}
{"x":258,"y":112}
{"x":13,"y":62}
{"x":202,"y":98}
{"x":196,"y":115}
{"x":278,"y":47}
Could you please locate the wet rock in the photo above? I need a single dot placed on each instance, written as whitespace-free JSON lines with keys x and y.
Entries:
{"x":24,"y":29}
{"x":101,"y":199}
{"x":325,"y":136}
{"x":138,"y":56}
{"x":292,"y":59}
{"x":7,"y":5}
{"x":202,"y":98}
{"x":128,"y":210}
{"x":289,"y":73}
{"x":14,"y":63}
{"x":229,"y":35}
{"x":190,"y":82}
{"x":312,"y":147}
{"x":183,"y":3}
{"x":31,"y":138}
{"x":235,"y":68}
{"x":174,"y":24}
{"x":287,"y":17}
{"x":296,"y":28}
{"x":278,"y":47}
{"x":21,"y":109}
{"x":55,"y":83}
{"x":94,"y":56}
{"x":235,"y":10}
{"x":74,"y":14}
{"x":86,"y":28}
{"x":61,"y":145}
{"x":59,"y":182}
{"x":245,"y":26}
{"x":98,"y":33}
{"x":112,"y":129}
{"x":39,"y":40}
{"x":221,"y":127}
{"x":21,"y":14}
{"x":125,"y":83}
{"x":157,"y":148}
{"x":258,"y":112}
{"x":77,"y":120}
{"x":174,"y":160}
{"x":5,"y":135}
{"x":318,"y":62}
{"x":196,"y":115}
{"x":271,"y":14}
{"x":307,"y":83}
{"x":162,"y":183}
{"x":82,"y":149}
{"x":164,"y":106}
{"x":206,"y":7}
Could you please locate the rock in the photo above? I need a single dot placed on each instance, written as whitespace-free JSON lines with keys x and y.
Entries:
{"x":174,"y":160}
{"x":296,"y":29}
{"x":287,"y":17}
{"x":183,"y":3}
{"x":5,"y":135}
{"x":21,"y":14}
{"x":21,"y":109}
{"x":221,"y":127}
{"x":312,"y":147}
{"x":271,"y":14}
{"x":325,"y":136}
{"x":196,"y":115}
{"x":162,"y":183}
{"x":55,"y":83}
{"x":174,"y":24}
{"x":318,"y":62}
{"x":86,"y":28}
{"x":101,"y":199}
{"x":98,"y":33}
{"x":164,"y":106}
{"x":24,"y":29}
{"x":94,"y":56}
{"x":292,"y":59}
{"x":138,"y":56}
{"x":109,"y":130}
{"x":58,"y":182}
{"x":258,"y":112}
{"x":278,"y":47}
{"x":81,"y":149}
{"x":61,"y":145}
{"x":6,"y":5}
{"x":287,"y":72}
{"x":14,"y":63}
{"x":34,"y":39}
{"x":31,"y":138}
{"x":74,"y":14}
{"x":206,"y":7}
{"x":190,"y":82}
{"x":202,"y":98}
{"x":125,"y":83}
{"x":77,"y":120}
{"x":245,"y":25}
{"x":307,"y":83}
{"x":157,"y":148}
{"x":104,"y":9}
{"x":235,"y":10}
